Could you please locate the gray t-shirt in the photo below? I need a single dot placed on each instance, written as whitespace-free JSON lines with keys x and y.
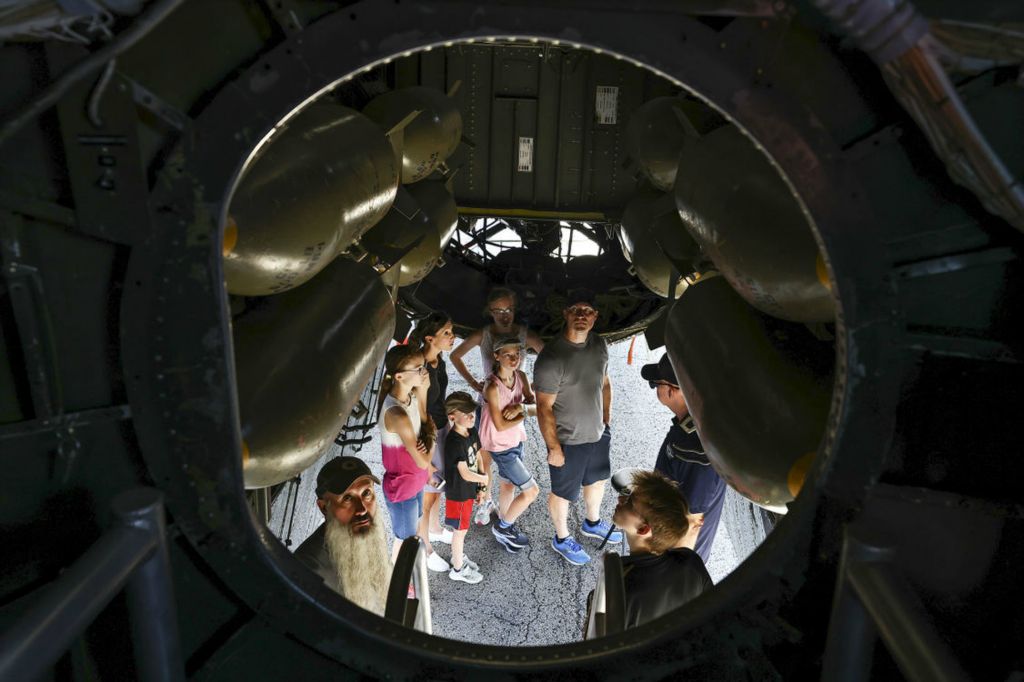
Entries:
{"x":576,"y":373}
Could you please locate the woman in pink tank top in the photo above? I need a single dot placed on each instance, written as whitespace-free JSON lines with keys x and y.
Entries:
{"x":407,"y":439}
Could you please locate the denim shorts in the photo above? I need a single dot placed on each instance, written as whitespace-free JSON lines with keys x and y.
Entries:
{"x":511,"y":467}
{"x":405,"y":515}
{"x":585,"y":464}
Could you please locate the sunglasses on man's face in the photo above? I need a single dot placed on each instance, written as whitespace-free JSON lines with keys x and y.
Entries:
{"x":501,"y":311}
{"x":582,"y":311}
{"x":655,"y":384}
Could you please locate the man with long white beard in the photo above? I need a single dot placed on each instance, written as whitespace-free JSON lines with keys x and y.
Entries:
{"x":349,"y":550}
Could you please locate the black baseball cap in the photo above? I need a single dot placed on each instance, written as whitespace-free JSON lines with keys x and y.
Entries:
{"x":660,"y":371}
{"x":580,"y":295}
{"x":339,"y":473}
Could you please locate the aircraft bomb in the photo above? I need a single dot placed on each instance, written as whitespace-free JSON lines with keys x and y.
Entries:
{"x":425,"y":234}
{"x":302,"y":360}
{"x":314,"y":188}
{"x":747,"y":221}
{"x":758,"y":412}
{"x":430,"y":138}
{"x":657,"y":244}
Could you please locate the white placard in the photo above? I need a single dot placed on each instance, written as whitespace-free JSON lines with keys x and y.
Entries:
{"x":607,"y":104}
{"x":525,"y":155}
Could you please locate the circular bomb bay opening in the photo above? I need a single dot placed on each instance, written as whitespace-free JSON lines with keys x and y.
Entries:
{"x":544,"y":655}
{"x":677,"y":184}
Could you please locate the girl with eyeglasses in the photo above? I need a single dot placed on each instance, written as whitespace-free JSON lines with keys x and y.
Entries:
{"x":501,"y":306}
{"x":433,"y":335}
{"x":407,"y":438}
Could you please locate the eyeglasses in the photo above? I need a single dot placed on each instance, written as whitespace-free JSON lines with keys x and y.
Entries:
{"x":502,"y":311}
{"x":655,"y":384}
{"x":422,"y":369}
{"x":626,"y":502}
{"x":582,"y":311}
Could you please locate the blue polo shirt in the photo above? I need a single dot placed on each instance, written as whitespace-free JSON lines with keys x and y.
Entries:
{"x":683,"y":460}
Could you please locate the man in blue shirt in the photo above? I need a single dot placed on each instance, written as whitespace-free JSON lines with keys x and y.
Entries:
{"x":682,"y":457}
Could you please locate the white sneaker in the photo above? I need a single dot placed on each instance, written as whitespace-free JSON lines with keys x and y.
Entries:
{"x":466,"y":561}
{"x":436,"y":562}
{"x":467,"y":575}
{"x":483,"y":513}
{"x":444,"y":536}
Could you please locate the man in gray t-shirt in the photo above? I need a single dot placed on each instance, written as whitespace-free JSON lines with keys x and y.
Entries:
{"x":574,"y":402}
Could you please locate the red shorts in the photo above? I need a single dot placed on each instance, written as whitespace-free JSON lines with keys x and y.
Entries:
{"x":457,"y":514}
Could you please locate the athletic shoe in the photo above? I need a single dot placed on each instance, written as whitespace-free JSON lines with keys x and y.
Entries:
{"x":509,"y":536}
{"x":466,"y":561}
{"x":444,"y":536}
{"x":436,"y":562}
{"x":599,"y":530}
{"x":570,"y":550}
{"x":483,"y":513}
{"x":467,"y":575}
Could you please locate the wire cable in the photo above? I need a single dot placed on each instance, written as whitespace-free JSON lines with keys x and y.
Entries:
{"x":146,"y":22}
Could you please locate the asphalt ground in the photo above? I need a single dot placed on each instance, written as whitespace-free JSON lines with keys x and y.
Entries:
{"x":535,"y":597}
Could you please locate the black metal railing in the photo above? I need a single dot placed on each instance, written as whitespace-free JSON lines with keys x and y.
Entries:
{"x":607,"y":612}
{"x":410,"y":609}
{"x":133,"y":556}
{"x":874,"y":599}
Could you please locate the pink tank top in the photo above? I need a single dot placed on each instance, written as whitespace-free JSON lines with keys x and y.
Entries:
{"x":402,"y":478}
{"x":491,"y":438}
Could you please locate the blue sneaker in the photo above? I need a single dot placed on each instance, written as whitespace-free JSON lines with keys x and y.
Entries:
{"x":570,"y":550}
{"x":599,"y":530}
{"x":509,"y":536}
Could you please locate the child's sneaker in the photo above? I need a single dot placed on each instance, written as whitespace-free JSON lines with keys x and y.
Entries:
{"x":436,"y":562}
{"x":444,"y":536}
{"x":509,"y":536}
{"x":467,"y":575}
{"x":600,"y":530}
{"x":483,"y":513}
{"x":570,"y":550}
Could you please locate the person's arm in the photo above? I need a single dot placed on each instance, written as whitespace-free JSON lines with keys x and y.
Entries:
{"x":504,"y":419}
{"x":528,"y":396}
{"x":468,"y":344}
{"x":606,"y":400}
{"x":397,"y":421}
{"x":470,"y":476}
{"x":534,"y":342}
{"x":421,"y":398}
{"x":548,"y":428}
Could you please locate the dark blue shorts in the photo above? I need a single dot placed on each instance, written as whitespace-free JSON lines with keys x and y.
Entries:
{"x":584,"y":464}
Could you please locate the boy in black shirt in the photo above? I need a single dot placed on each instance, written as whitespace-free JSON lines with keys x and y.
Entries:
{"x":465,"y":484}
{"x":661,"y":573}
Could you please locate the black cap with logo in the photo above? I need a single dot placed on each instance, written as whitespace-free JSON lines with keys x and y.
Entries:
{"x":339,"y":473}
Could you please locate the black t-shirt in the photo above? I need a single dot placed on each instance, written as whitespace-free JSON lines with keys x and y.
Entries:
{"x":457,"y":449}
{"x":437,"y":392}
{"x":657,"y":584}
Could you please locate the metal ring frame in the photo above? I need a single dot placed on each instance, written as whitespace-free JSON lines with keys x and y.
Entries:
{"x":180,"y":367}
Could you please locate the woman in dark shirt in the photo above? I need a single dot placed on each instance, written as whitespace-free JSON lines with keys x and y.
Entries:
{"x":434,"y":336}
